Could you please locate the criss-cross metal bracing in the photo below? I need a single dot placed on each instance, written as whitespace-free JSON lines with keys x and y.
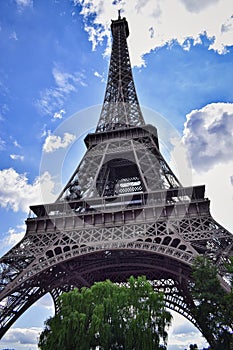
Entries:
{"x":121,"y":107}
{"x":120,"y":162}
{"x":78,"y":243}
{"x":122,"y":213}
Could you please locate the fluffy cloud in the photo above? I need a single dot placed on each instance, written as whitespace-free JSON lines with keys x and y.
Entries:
{"x":208,"y":135}
{"x":156,"y":23}
{"x":22,"y":4}
{"x":183,"y":333}
{"x":59,"y":114}
{"x":17,"y":193}
{"x":16,"y":157}
{"x":46,"y":302}
{"x":53,"y":142}
{"x":219,"y":190}
{"x":100,"y":76}
{"x":13,"y":36}
{"x":2,"y":144}
{"x":208,"y":140}
{"x":65,"y":83}
{"x":197,"y":6}
{"x":16,"y":144}
{"x":14,"y":235}
{"x":4,"y":107}
{"x":22,"y":336}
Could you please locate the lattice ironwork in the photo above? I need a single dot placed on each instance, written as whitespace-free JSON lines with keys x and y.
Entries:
{"x":106,"y":168}
{"x":122,"y":213}
{"x":121,"y":107}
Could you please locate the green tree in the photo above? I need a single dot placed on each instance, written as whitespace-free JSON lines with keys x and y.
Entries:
{"x":109,"y":316}
{"x":214,"y":306}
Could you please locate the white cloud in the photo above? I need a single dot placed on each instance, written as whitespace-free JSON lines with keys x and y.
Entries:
{"x":219,"y":190}
{"x":13,"y":36}
{"x":22,"y":336}
{"x":183,"y":333}
{"x":100,"y":76}
{"x":17,"y":193}
{"x":3,"y":108}
{"x":44,"y":131}
{"x":155,"y":23}
{"x":24,"y":3}
{"x":65,"y":83}
{"x":53,"y":142}
{"x":197,"y":5}
{"x":16,"y":144}
{"x":59,"y":114}
{"x":17,"y":157}
{"x":46,"y":302}
{"x":208,"y":141}
{"x":2,"y":144}
{"x":14,"y":235}
{"x":208,"y":136}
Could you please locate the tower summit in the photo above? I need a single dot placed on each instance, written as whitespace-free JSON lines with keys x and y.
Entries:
{"x":123,"y":153}
{"x":122,"y":213}
{"x":121,"y":107}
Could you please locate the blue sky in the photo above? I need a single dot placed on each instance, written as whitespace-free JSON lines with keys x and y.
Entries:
{"x":53,"y":70}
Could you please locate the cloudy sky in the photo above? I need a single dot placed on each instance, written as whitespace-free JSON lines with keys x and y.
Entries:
{"x":53,"y":70}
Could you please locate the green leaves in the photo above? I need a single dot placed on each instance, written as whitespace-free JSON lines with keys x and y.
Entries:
{"x":214,"y":306}
{"x":109,"y":316}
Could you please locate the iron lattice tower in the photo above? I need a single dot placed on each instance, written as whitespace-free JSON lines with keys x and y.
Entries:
{"x":122,"y":213}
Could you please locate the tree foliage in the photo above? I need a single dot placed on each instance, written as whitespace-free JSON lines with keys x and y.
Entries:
{"x":109,"y":316}
{"x":214,"y":305}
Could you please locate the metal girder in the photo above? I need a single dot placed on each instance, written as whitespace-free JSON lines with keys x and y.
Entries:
{"x":121,"y":165}
{"x":65,"y":250}
{"x":121,"y":108}
{"x":122,"y":213}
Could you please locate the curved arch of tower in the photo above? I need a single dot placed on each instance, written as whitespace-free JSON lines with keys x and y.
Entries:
{"x":122,"y":213}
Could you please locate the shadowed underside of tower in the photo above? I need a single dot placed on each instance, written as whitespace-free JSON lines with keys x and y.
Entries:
{"x":123,"y":212}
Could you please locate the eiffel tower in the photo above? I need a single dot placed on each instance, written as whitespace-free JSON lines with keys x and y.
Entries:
{"x":122,"y":213}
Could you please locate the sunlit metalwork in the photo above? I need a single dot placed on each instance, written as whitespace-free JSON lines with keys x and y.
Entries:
{"x":123,"y":213}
